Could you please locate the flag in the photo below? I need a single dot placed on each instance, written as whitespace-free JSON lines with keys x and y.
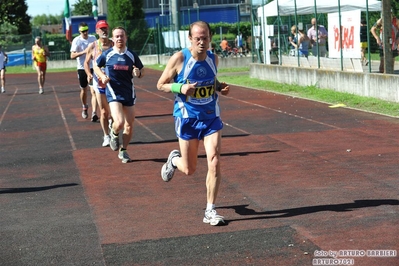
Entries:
{"x":95,"y":9}
{"x":68,"y":23}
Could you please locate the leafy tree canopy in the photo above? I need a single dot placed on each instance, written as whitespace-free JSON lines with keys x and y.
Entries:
{"x":124,"y":10}
{"x":14,"y":12}
{"x":130,"y":15}
{"x":45,"y":20}
{"x":82,"y":7}
{"x":8,"y":29}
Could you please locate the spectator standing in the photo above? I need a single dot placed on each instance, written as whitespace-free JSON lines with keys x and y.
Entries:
{"x":303,"y":44}
{"x":224,"y":45}
{"x":377,"y":32}
{"x":318,"y":39}
{"x":363,"y":41}
{"x":78,"y":51}
{"x":293,"y":39}
{"x":239,"y":43}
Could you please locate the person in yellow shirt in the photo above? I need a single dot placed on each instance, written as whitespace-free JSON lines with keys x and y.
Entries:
{"x":39,"y":57}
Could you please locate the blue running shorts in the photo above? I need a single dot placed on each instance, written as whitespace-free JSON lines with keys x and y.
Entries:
{"x":125,"y":98}
{"x":191,"y":128}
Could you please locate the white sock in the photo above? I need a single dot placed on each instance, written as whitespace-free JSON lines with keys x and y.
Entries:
{"x":210,"y":206}
{"x":173,"y":164}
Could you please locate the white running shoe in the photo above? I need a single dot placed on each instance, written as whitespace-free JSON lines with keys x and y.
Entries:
{"x":106,"y":141}
{"x":114,"y":142}
{"x":3,"y":90}
{"x":84,"y":113}
{"x":168,"y":170}
{"x":124,"y":156}
{"x":211,"y":217}
{"x":41,"y":91}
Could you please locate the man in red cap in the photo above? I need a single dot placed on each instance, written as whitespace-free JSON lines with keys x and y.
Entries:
{"x":94,"y":50}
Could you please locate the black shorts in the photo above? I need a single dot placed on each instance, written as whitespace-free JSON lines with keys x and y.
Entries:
{"x":394,"y":53}
{"x":82,"y":76}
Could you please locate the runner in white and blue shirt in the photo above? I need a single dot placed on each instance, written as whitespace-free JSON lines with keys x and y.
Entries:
{"x":204,"y":103}
{"x":120,"y":66}
{"x":119,"y":69}
{"x":191,"y":76}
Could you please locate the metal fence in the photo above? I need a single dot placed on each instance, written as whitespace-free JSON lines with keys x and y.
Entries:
{"x":152,"y":35}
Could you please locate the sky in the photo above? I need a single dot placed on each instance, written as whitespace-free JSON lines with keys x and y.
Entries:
{"x":48,"y":7}
{"x":56,"y":7}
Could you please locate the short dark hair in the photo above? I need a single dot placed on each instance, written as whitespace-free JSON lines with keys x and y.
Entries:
{"x":119,"y":28}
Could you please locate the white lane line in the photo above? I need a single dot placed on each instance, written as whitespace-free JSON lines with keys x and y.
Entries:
{"x":282,"y":112}
{"x":236,"y":128}
{"x":152,"y":132}
{"x":137,"y":120}
{"x":8,"y":106}
{"x":257,"y":105}
{"x":65,"y":121}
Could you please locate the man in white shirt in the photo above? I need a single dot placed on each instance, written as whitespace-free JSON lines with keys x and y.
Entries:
{"x":78,"y":51}
{"x":318,"y":39}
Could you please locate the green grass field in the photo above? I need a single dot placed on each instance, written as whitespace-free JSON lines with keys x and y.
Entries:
{"x":30,"y":69}
{"x":313,"y":93}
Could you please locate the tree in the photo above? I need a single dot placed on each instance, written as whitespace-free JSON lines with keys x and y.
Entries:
{"x":8,"y":29}
{"x":14,"y":12}
{"x":395,"y":7}
{"x":82,"y":7}
{"x":130,"y":15}
{"x":46,"y":20}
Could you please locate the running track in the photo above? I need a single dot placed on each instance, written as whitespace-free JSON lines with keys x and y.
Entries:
{"x":298,"y":177}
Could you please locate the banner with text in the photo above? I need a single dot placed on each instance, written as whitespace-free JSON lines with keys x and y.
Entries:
{"x":350,"y":28}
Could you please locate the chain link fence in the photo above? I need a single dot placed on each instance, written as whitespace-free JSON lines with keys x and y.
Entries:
{"x":161,"y":39}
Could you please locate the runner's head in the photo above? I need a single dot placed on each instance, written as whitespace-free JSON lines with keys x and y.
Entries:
{"x":102,"y":29}
{"x":84,"y":30}
{"x":38,"y":40}
{"x":119,"y":37}
{"x":200,"y":36}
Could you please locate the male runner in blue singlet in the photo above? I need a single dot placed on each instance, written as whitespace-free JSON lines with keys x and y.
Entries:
{"x":120,"y":66}
{"x":191,"y":75}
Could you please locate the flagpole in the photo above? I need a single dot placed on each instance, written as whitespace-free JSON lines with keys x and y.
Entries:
{"x":95,"y":9}
{"x":68,"y":22}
